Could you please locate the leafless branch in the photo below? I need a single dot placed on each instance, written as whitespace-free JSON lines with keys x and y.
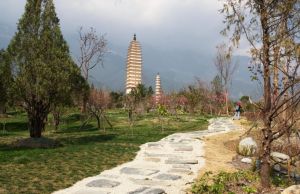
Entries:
{"x":92,"y":50}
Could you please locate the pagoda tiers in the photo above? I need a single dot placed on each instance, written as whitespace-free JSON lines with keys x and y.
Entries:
{"x":134,"y":65}
{"x":158,"y":90}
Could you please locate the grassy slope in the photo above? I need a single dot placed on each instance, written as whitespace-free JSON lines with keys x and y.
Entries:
{"x":84,"y":153}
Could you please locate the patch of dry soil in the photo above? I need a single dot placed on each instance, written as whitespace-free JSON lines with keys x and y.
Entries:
{"x":220,"y":149}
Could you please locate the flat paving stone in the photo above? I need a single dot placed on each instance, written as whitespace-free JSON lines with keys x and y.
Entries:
{"x":167,"y":177}
{"x":139,"y":190}
{"x":149,"y":182}
{"x":155,"y":191}
{"x":182,"y":166}
{"x":185,"y":149}
{"x":91,"y":192}
{"x":152,"y":159}
{"x":138,"y":171}
{"x":103,"y":183}
{"x":179,"y":144}
{"x":180,"y":171}
{"x":110,"y":176}
{"x":161,"y":155}
{"x":173,"y":161}
{"x":186,"y":141}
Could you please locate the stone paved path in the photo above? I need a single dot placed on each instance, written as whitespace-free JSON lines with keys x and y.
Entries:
{"x":167,"y":166}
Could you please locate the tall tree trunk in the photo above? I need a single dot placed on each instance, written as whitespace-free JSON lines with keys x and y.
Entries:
{"x":98,"y":121}
{"x":37,"y":125}
{"x":267,"y":133}
{"x":2,"y":109}
{"x":84,"y":105}
{"x":285,"y":85}
{"x":226,"y":101}
{"x":56,"y":117}
{"x":265,"y":159}
{"x":276,"y":72}
{"x":37,"y":116}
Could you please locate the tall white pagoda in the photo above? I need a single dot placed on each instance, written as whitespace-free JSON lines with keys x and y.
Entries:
{"x":134,"y":65}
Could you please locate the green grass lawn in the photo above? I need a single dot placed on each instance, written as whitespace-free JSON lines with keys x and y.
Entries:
{"x":84,"y":153}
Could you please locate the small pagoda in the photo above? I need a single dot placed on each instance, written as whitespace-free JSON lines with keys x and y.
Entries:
{"x":158,"y":89}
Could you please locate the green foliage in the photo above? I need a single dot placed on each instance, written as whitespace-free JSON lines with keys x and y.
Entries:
{"x":138,"y":100}
{"x":226,"y":183}
{"x":5,"y":80}
{"x":46,"y":75}
{"x":280,"y":181}
{"x":162,"y":113}
{"x":161,"y":110}
{"x":249,"y":190}
{"x":244,"y":99}
{"x":79,"y":87}
{"x":150,"y":91}
{"x":193,"y":95}
{"x":141,"y":92}
{"x":247,"y":105}
{"x":117,"y":99}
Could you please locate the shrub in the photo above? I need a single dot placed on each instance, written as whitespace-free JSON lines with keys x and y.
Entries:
{"x":237,"y":182}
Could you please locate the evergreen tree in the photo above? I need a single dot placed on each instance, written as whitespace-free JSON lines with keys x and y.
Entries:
{"x":5,"y":80}
{"x":150,"y":91}
{"x":45,"y":71}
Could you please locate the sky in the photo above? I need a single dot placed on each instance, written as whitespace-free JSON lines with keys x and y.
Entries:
{"x":165,"y":24}
{"x":178,"y":37}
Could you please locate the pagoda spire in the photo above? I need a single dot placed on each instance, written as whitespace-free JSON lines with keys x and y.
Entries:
{"x":134,"y":37}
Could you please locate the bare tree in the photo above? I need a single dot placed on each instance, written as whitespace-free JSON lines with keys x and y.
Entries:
{"x":130,"y":102}
{"x":92,"y":50}
{"x":272,"y":28}
{"x":225,"y":68}
{"x":97,"y":105}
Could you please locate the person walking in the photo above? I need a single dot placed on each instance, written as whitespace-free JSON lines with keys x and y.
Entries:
{"x":238,"y":109}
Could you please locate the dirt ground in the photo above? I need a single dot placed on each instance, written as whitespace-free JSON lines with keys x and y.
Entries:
{"x":220,"y":149}
{"x":220,"y":153}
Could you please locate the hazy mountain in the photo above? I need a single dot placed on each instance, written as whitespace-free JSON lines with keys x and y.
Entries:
{"x":177,"y":69}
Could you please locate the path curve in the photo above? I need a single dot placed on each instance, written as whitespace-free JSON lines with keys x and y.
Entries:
{"x":167,"y":166}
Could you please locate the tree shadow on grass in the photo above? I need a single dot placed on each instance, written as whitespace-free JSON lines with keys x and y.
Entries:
{"x":72,"y":118}
{"x":83,"y":140}
{"x":64,"y":141}
{"x":17,"y":113}
{"x":21,"y":144}
{"x":15,"y":126}
{"x":77,"y":128}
